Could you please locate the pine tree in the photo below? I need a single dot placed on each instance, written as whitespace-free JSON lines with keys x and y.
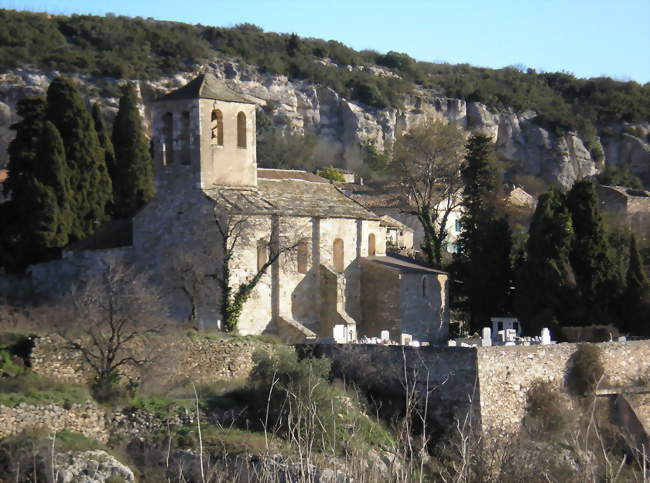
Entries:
{"x":482,"y":269}
{"x":636,"y":297}
{"x":89,"y":177}
{"x":546,"y":287}
{"x":133,"y":177}
{"x":590,"y":258}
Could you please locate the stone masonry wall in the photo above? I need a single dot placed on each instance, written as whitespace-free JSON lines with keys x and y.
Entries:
{"x":197,"y":359}
{"x":506,"y":373}
{"x":86,"y":419}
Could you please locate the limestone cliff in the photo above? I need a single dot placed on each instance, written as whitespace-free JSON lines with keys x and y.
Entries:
{"x":526,"y":147}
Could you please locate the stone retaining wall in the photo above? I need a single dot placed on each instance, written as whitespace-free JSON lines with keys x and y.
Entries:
{"x":506,"y":373}
{"x":86,"y":419}
{"x":198,"y":359}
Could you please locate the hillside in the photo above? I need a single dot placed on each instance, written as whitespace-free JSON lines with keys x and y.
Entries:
{"x":548,"y":125}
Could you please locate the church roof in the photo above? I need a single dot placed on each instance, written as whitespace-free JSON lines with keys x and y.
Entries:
{"x":289,"y":174}
{"x":397,"y":263}
{"x":289,"y":197}
{"x":206,"y":86}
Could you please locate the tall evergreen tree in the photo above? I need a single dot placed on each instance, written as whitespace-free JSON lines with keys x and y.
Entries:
{"x":37,"y":220}
{"x":590,"y":258}
{"x":546,"y":287}
{"x":104,"y":139}
{"x":482,"y":267}
{"x":52,"y":171}
{"x":89,"y":177}
{"x":636,"y":298}
{"x":133,"y":178}
{"x":23,"y":150}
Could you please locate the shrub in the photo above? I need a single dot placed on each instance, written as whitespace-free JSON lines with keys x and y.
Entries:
{"x":333,"y":174}
{"x":32,"y":389}
{"x":589,"y":333}
{"x":586,"y":369}
{"x":545,"y":412}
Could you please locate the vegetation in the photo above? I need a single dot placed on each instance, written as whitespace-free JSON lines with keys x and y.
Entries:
{"x":133,"y":172}
{"x":30,"y":388}
{"x":545,"y":412}
{"x":482,"y":268}
{"x":333,"y":174}
{"x":636,"y":296}
{"x":89,"y":179}
{"x":586,"y":370}
{"x":122,"y":47}
{"x":427,"y":161}
{"x":547,"y":294}
{"x":590,"y":255}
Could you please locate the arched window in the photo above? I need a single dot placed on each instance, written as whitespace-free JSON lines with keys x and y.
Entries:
{"x":339,"y":264}
{"x":241,"y":130}
{"x":185,"y":138}
{"x":424,"y":286}
{"x":262,"y":253}
{"x":303,"y":256}
{"x":168,"y":138}
{"x":371,"y":245}
{"x":216,"y":128}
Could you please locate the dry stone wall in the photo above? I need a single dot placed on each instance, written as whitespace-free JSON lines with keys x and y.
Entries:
{"x":506,"y":373}
{"x":198,"y":359}
{"x":86,"y":419}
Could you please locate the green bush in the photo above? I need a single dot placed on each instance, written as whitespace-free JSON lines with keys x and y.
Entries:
{"x":586,"y":369}
{"x":292,"y":399}
{"x":333,"y":174}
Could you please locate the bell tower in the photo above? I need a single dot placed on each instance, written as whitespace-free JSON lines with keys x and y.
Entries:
{"x":204,"y":136}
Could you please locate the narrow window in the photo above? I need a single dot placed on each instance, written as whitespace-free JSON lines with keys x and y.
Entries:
{"x":216,"y":127}
{"x":262,"y":253}
{"x":424,"y":286}
{"x":303,"y":257}
{"x":185,"y":138}
{"x":338,"y":255}
{"x":241,"y":130}
{"x":371,"y":244}
{"x":168,"y":138}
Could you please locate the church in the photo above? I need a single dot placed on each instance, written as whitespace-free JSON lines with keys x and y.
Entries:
{"x":317,"y":257}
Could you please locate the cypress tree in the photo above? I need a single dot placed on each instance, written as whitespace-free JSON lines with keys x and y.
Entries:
{"x":52,"y":171}
{"x":546,"y":287}
{"x":590,"y":254}
{"x":133,"y":177}
{"x":89,"y":177}
{"x":636,"y":297}
{"x":482,"y":268}
{"x":23,"y":150}
{"x":104,"y":139}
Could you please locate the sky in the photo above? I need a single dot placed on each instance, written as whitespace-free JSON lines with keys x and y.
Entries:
{"x":589,"y":38}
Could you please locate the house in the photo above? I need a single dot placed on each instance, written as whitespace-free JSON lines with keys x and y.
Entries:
{"x":210,"y":193}
{"x":628,"y":206}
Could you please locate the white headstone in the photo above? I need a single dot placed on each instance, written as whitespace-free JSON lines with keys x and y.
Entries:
{"x":405,"y":339}
{"x":385,"y":335}
{"x":486,"y":340}
{"x":339,"y":333}
{"x":622,"y":338}
{"x":546,"y":336}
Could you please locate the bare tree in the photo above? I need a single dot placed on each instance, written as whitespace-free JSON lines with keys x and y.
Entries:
{"x":106,"y":315}
{"x":427,"y":160}
{"x":236,"y":232}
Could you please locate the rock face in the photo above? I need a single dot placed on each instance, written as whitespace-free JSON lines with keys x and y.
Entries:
{"x":95,"y":466}
{"x":342,"y":124}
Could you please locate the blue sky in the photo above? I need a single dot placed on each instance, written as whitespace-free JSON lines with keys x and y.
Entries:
{"x":586,"y":37}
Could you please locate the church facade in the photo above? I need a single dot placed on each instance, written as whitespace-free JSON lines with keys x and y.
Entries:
{"x":318,"y":257}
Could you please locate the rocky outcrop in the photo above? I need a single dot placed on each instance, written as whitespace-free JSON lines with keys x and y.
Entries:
{"x":342,"y":124}
{"x":95,"y":466}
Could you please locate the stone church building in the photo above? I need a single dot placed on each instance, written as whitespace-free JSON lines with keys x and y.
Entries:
{"x":333,"y":277}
